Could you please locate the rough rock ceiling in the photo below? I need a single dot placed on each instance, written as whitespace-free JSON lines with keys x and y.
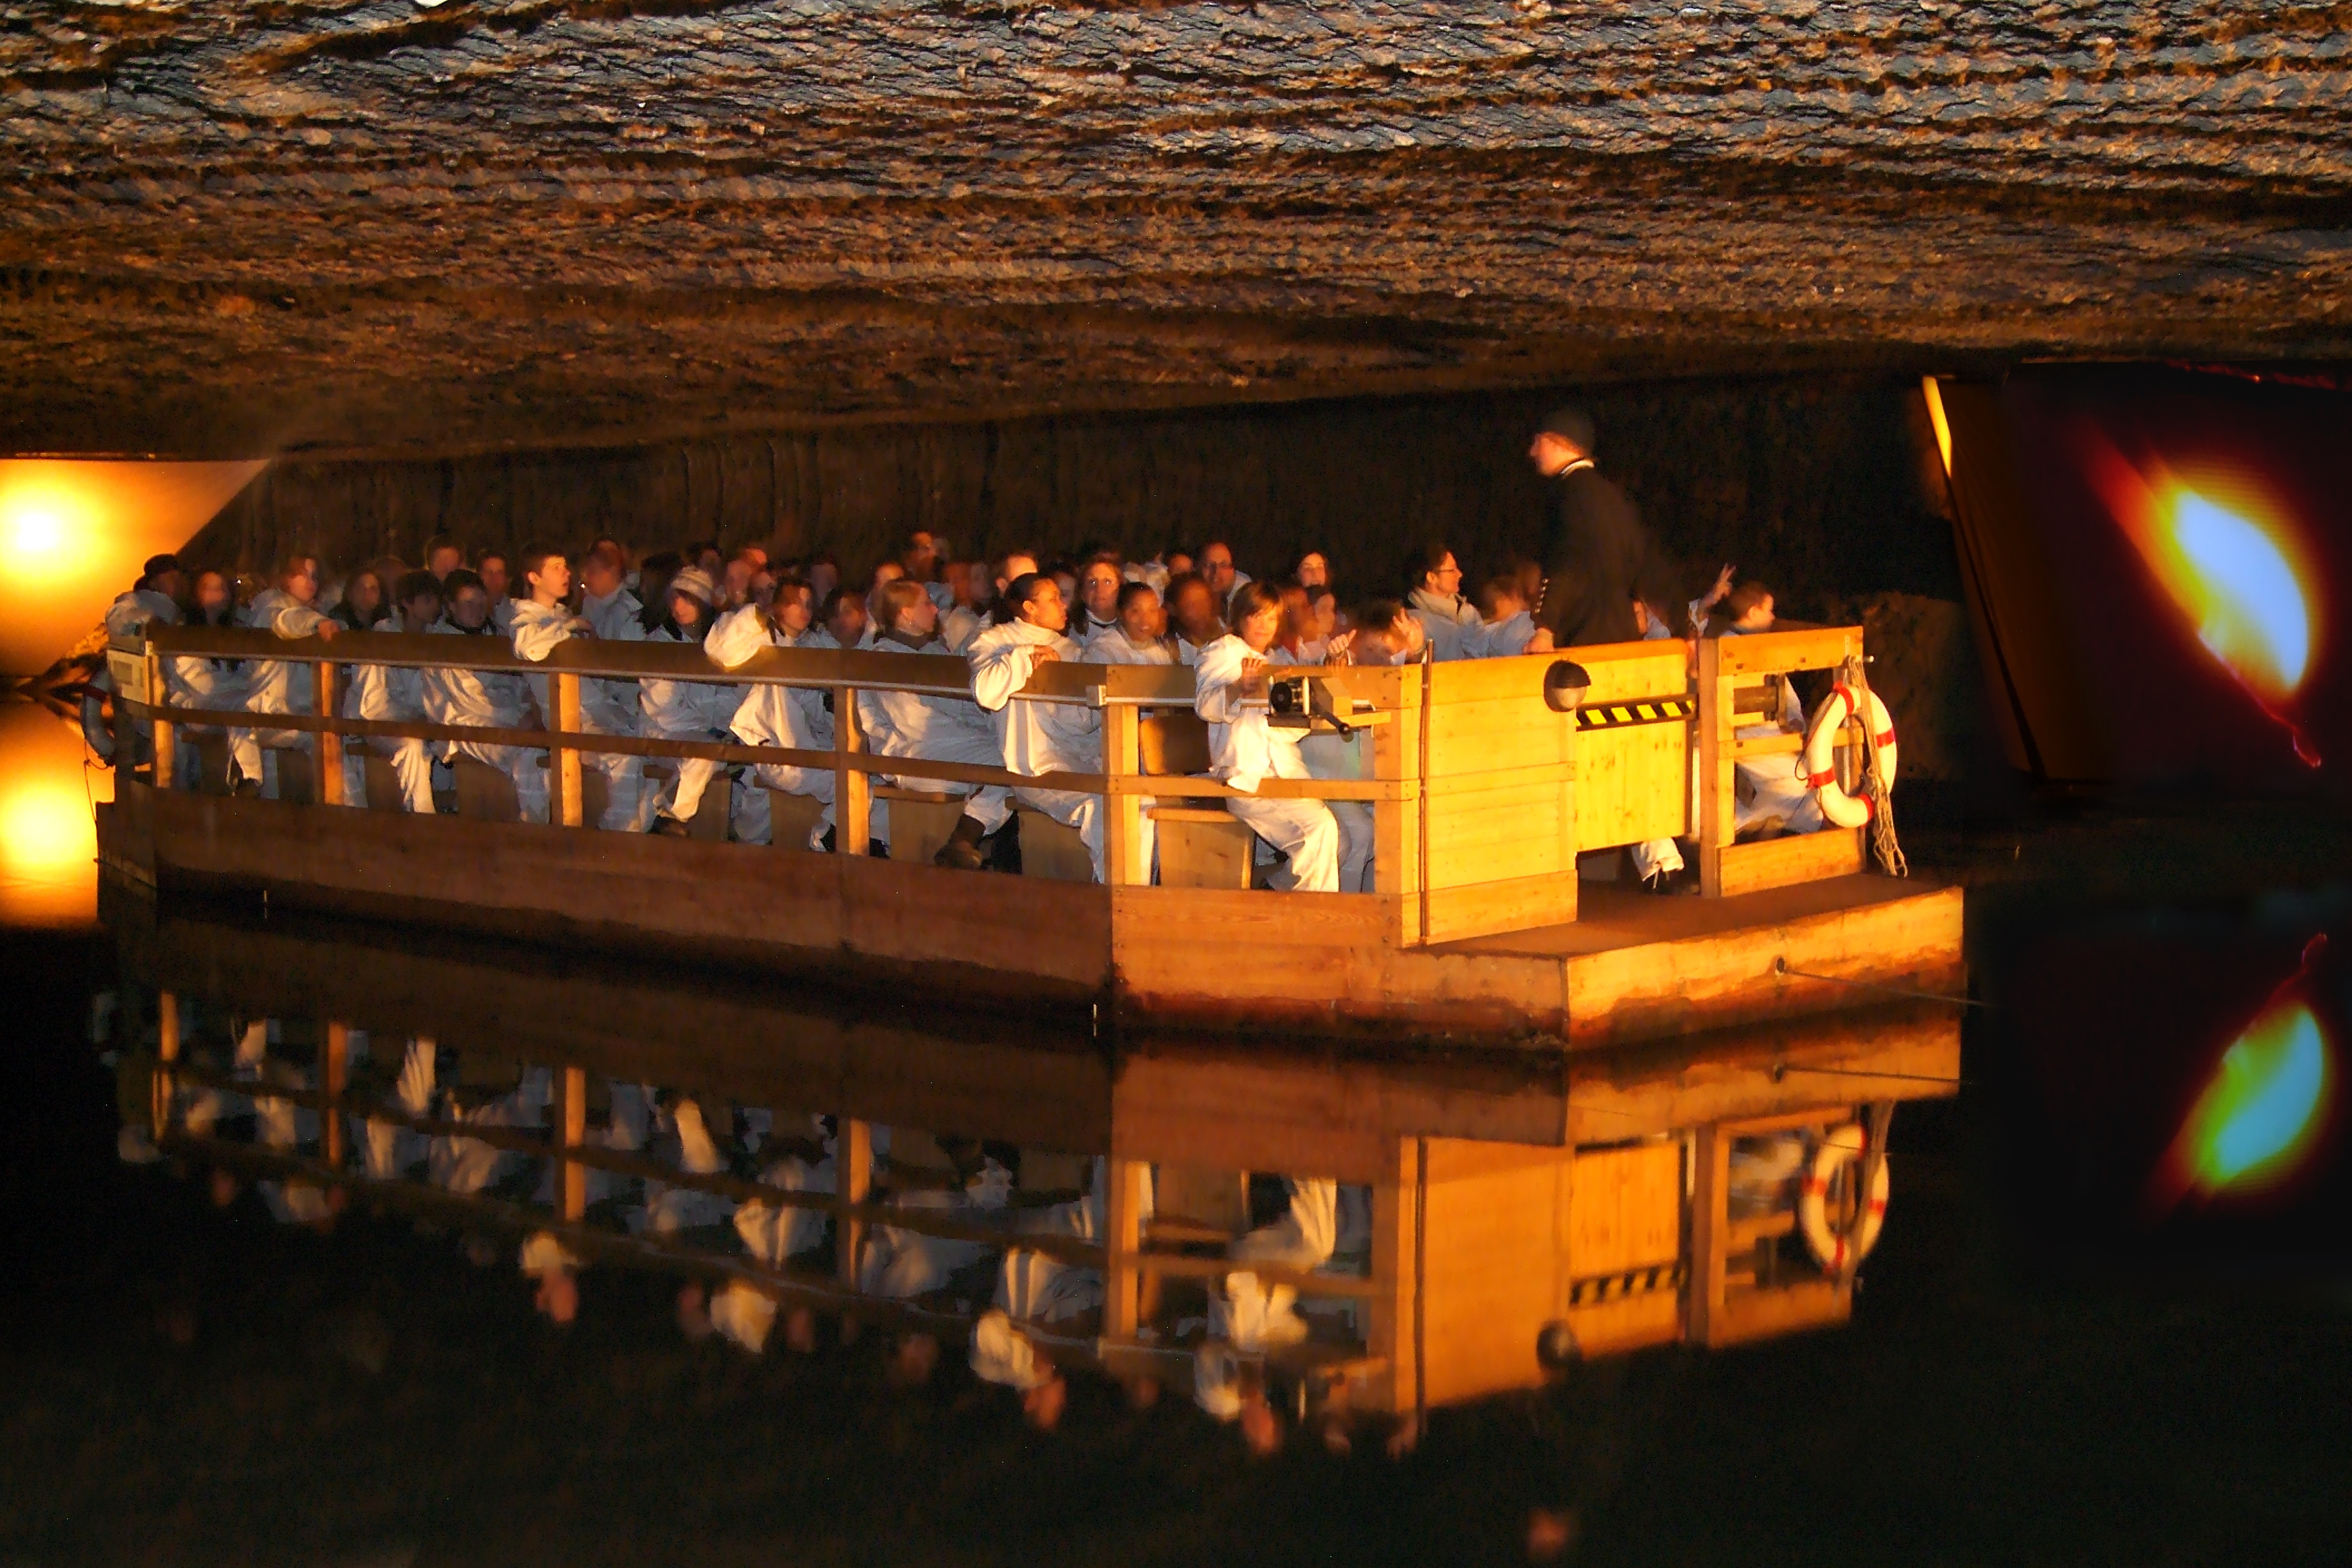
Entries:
{"x":374,"y":224}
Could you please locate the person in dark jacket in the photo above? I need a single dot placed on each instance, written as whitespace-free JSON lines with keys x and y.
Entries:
{"x":1597,"y":558}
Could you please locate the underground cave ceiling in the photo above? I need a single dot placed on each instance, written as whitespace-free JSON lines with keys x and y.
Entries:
{"x":377,"y":226}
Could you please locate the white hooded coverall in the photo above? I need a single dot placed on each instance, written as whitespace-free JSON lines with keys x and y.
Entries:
{"x":941,"y":729}
{"x":1044,"y":737}
{"x":384,"y":693}
{"x":793,"y":717}
{"x":273,"y":687}
{"x":488,"y":699}
{"x":606,"y":707}
{"x":1329,"y":845}
{"x":703,"y":711}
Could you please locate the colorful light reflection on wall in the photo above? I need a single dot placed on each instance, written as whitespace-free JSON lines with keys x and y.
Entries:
{"x":2259,"y":1119}
{"x":2233,"y":564}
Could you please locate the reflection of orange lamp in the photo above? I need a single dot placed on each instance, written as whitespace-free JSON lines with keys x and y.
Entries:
{"x":2257,"y":1121}
{"x":2230,"y":565}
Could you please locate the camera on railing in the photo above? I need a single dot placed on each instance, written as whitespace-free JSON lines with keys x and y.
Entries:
{"x":1303,"y":702}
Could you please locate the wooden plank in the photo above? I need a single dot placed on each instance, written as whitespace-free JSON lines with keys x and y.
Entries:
{"x":1631,"y":672}
{"x":329,"y":766}
{"x":1627,"y":1208}
{"x":1390,"y":1320}
{"x":1710,"y":1198}
{"x":1909,"y":1051}
{"x":571,"y":1132}
{"x":1633,"y":784}
{"x":1479,"y":909}
{"x":1125,"y":862}
{"x":1731,"y":977}
{"x":1494,"y":1215}
{"x":570,"y":803}
{"x":1793,"y":858}
{"x":1716,"y":817}
{"x":853,"y":797}
{"x":854,"y":1165}
{"x":1772,"y":653}
{"x":1123,"y":1239}
{"x":1747,"y":1315}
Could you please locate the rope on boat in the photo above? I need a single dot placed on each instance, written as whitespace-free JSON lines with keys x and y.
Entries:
{"x":1883,"y":842}
{"x":1781,"y":966}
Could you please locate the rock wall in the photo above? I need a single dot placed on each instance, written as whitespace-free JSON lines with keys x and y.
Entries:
{"x":1813,"y":484}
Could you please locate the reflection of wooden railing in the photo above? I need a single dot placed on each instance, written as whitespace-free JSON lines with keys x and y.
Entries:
{"x":1735,"y":678}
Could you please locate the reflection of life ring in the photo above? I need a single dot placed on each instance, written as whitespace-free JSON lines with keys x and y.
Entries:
{"x":1829,"y":1250}
{"x":1819,"y":764}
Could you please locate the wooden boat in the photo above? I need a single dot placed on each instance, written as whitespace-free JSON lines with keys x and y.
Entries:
{"x":1526,"y":1206}
{"x":1484,"y":796}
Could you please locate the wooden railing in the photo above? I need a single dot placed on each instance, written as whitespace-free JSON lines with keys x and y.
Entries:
{"x":1482,"y":794}
{"x":1737,"y":679}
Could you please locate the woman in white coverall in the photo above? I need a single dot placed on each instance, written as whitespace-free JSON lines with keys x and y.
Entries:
{"x":488,"y":699}
{"x":192,"y":681}
{"x":538,"y":624}
{"x":1329,"y":849}
{"x":1043,"y":737}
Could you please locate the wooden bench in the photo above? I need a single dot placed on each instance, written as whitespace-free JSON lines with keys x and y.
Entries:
{"x":792,"y":817}
{"x":1050,"y":850}
{"x":382,"y":786}
{"x":212,"y":763}
{"x":921,"y":821}
{"x":297,"y":783}
{"x":1203,"y":848}
{"x":485,"y":794}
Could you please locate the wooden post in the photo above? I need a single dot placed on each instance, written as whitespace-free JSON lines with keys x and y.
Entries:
{"x":329,"y":757}
{"x":1124,"y":865}
{"x":1397,"y":854}
{"x":563,"y":778}
{"x":167,"y":742}
{"x":334,"y":1074}
{"x":852,"y":789}
{"x":1389,"y":1330}
{"x":854,"y":1164}
{"x":1122,"y":1239}
{"x":167,"y":1051}
{"x":1709,"y":1221}
{"x":570,"y":1132}
{"x":1717,"y":820}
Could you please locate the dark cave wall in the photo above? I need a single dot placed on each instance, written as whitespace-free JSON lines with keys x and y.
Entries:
{"x":1817,"y":485}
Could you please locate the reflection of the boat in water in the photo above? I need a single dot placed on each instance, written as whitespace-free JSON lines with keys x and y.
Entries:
{"x":1389,"y":1230}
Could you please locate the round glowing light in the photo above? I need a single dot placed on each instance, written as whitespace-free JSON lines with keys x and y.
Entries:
{"x":46,"y":832}
{"x":35,"y":530}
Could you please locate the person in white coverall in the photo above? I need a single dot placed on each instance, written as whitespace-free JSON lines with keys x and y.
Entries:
{"x":386,"y":694}
{"x":275,"y":687}
{"x":689,"y":710}
{"x":487,"y":698}
{"x":540,"y":622}
{"x":790,"y":717}
{"x":191,"y":681}
{"x":940,"y":728}
{"x":1039,"y":736}
{"x":1331,"y":850}
{"x":1139,"y":633}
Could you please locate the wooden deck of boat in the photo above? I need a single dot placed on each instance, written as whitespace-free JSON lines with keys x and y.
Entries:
{"x":1630,"y":967}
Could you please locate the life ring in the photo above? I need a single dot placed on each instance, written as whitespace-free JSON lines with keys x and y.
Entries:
{"x":1819,"y":764}
{"x":1829,"y":1248}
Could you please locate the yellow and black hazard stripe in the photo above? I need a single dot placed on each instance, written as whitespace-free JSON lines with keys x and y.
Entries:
{"x":1595,"y":1289}
{"x":1659,"y":710}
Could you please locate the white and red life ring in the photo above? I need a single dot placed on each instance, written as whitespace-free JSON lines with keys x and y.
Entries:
{"x":1830,"y":1249}
{"x":1819,"y":765}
